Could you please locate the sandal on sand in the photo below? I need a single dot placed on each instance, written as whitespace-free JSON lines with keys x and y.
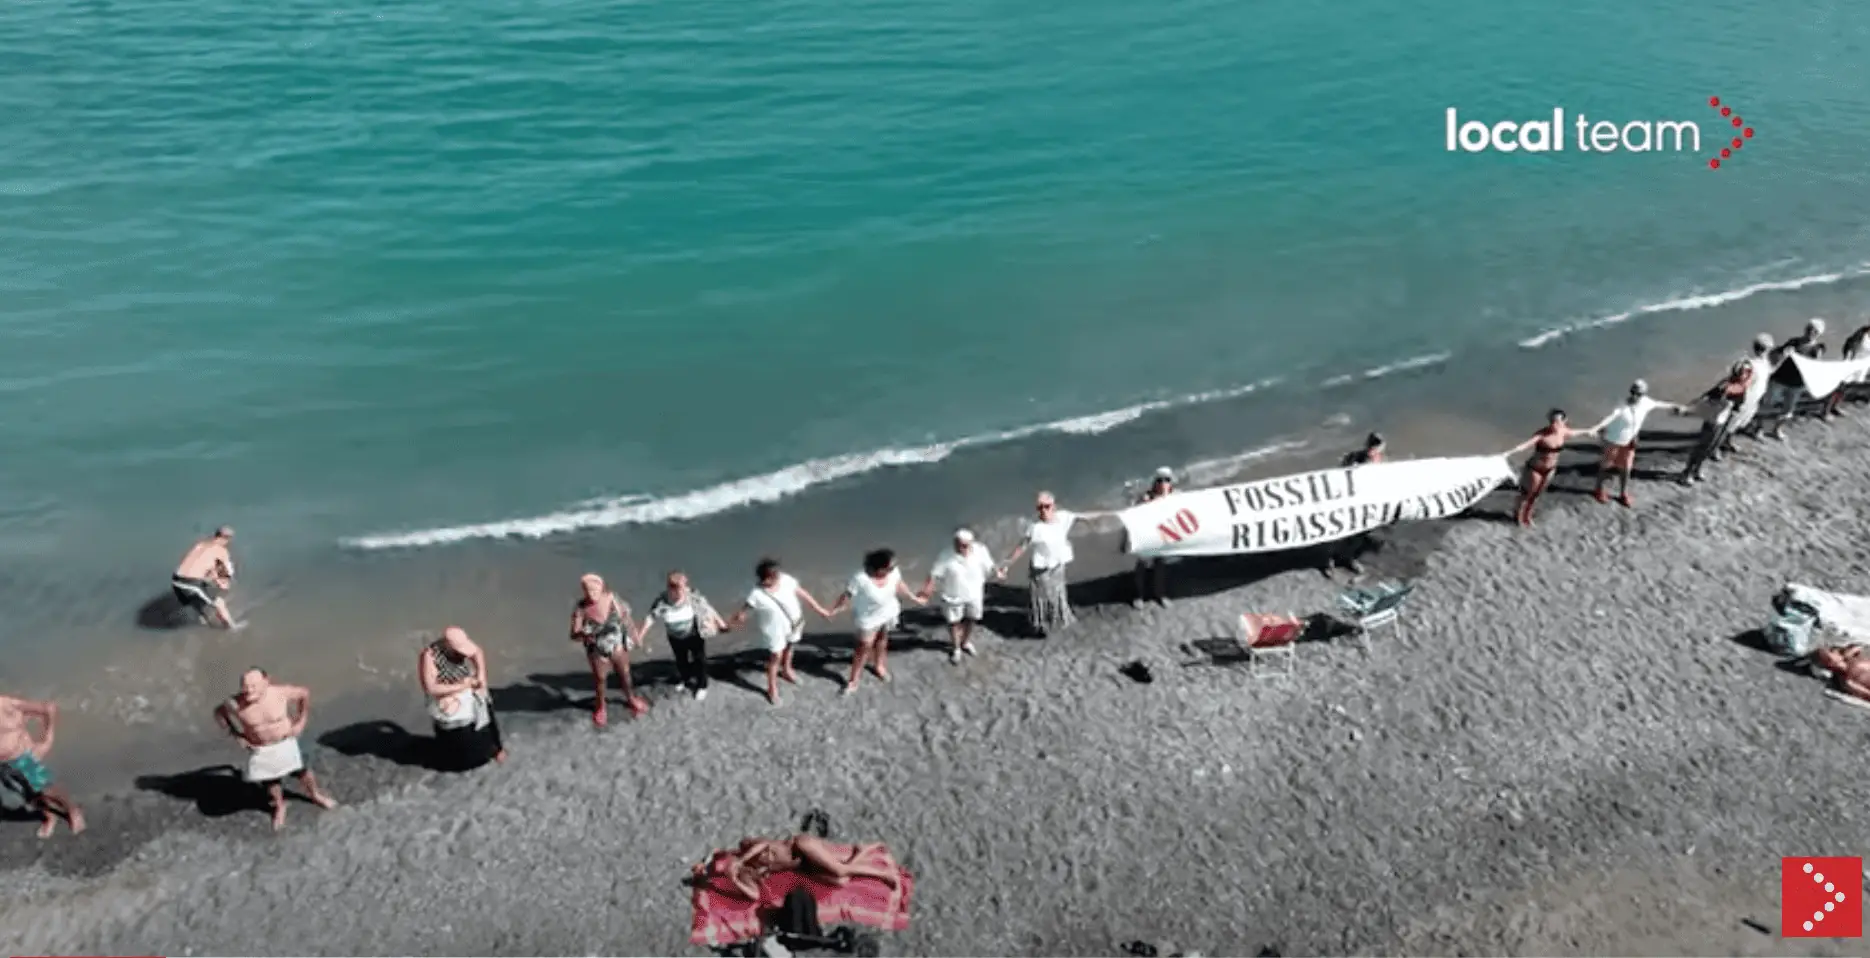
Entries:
{"x":600,"y":717}
{"x":1601,"y":496}
{"x":639,"y":705}
{"x":1625,"y":501}
{"x":848,"y":688}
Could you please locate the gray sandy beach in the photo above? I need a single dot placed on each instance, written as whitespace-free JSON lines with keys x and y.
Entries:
{"x":1570,"y":748}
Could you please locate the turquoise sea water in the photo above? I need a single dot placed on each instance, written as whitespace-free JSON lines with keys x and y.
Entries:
{"x":338,"y":272}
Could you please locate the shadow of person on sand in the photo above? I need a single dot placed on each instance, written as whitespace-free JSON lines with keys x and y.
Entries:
{"x":381,"y":738}
{"x":216,"y":790}
{"x":656,"y":679}
{"x":164,"y":614}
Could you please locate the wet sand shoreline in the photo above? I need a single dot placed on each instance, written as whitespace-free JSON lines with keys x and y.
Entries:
{"x":1569,"y":749}
{"x":348,"y":624}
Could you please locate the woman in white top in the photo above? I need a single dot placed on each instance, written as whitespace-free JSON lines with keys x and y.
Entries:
{"x":775,"y":607}
{"x":873,"y":596}
{"x":690,"y":622}
{"x":1048,"y":539}
{"x":1620,"y":430}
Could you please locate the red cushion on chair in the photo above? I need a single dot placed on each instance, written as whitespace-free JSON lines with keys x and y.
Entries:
{"x":1276,"y":635}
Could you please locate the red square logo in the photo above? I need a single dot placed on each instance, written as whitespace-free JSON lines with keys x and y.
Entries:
{"x":1821,"y":897}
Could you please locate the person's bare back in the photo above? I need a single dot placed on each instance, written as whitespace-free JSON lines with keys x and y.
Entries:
{"x":207,"y":559}
{"x":203,"y":576}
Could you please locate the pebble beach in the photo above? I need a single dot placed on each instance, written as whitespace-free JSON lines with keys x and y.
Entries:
{"x":1572,"y":746}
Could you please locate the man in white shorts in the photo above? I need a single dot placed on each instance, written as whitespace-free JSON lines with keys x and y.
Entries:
{"x":960,"y":579}
{"x":777,"y":607}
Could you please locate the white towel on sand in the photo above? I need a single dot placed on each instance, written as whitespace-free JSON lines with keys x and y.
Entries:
{"x":270,"y":763}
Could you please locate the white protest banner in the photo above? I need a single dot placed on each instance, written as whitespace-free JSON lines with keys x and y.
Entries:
{"x":1823,"y":376}
{"x":1291,"y":512}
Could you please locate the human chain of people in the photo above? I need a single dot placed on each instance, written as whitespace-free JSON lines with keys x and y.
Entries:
{"x":1760,"y":394}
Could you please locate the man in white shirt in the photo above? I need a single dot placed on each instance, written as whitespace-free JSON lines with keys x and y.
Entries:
{"x":1620,"y":430}
{"x":960,"y":579}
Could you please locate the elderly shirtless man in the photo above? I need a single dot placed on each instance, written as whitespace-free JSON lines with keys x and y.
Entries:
{"x":260,"y":717}
{"x":22,"y":762}
{"x":1849,"y":668}
{"x":204,"y":575}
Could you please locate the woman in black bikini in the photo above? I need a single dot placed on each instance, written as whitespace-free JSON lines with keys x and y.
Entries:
{"x":602,"y":623}
{"x":1546,"y":444}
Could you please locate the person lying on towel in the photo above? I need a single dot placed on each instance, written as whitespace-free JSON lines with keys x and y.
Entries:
{"x":1849,"y":668}
{"x":758,"y":858}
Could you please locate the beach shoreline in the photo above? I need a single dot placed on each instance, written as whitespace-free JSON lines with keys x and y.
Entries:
{"x":349,"y":624}
{"x":1567,"y":750}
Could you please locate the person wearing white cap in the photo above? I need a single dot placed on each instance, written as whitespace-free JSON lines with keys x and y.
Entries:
{"x":1782,"y":402}
{"x":1152,"y":577}
{"x":1620,"y":430}
{"x":959,"y":578}
{"x":1048,"y":539}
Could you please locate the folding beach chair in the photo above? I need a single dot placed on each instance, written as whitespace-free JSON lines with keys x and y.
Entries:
{"x":1266,"y":644}
{"x":1373,"y":608}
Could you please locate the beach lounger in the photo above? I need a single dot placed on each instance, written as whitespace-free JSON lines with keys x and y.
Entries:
{"x":725,"y":921}
{"x":1374,"y":608}
{"x":1270,"y":643}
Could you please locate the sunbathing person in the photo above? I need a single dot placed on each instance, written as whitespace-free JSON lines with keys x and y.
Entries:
{"x":758,"y":858}
{"x":1849,"y":668}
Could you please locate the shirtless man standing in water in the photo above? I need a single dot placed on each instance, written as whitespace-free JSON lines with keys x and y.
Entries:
{"x":203,"y":577}
{"x":22,"y":762}
{"x":260,"y":718}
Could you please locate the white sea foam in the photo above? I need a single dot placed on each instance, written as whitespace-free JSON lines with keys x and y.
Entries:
{"x":1697,"y":301}
{"x":773,"y":486}
{"x":1378,"y":372}
{"x":770,"y":487}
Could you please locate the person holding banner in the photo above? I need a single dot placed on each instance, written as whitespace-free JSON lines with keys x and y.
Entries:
{"x":1853,"y":349}
{"x":1152,"y":575}
{"x":1048,"y":540}
{"x":1620,"y":430}
{"x":1344,"y":553}
{"x":1546,"y":444}
{"x":1788,"y":386}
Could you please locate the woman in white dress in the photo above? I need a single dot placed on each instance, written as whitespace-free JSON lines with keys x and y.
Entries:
{"x":874,"y":597}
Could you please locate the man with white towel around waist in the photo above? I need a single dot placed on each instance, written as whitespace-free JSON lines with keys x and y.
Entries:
{"x":960,"y":579}
{"x":260,"y":717}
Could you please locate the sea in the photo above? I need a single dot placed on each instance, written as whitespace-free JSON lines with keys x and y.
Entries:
{"x":440,"y":305}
